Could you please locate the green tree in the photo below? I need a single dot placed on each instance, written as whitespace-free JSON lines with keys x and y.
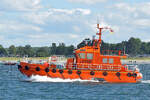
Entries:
{"x":133,"y":46}
{"x":148,"y":44}
{"x":42,"y":52}
{"x":61,"y":49}
{"x":12,"y":50}
{"x":69,"y":50}
{"x":3,"y":51}
{"x":29,"y":51}
{"x":20,"y":51}
{"x":104,"y":46}
{"x":53,"y":49}
{"x":144,"y":48}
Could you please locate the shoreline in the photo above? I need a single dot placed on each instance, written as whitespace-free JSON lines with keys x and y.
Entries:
{"x":124,"y":61}
{"x":21,"y":58}
{"x":135,"y":61}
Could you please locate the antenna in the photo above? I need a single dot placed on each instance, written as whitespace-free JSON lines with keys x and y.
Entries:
{"x":124,"y":49}
{"x":97,"y":20}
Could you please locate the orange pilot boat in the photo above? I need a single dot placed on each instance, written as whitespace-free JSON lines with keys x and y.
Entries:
{"x":89,"y":63}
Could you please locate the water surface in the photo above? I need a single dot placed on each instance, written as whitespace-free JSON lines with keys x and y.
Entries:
{"x":13,"y":86}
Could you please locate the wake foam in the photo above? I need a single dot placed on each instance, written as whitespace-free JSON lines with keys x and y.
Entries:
{"x":145,"y":81}
{"x":37,"y":78}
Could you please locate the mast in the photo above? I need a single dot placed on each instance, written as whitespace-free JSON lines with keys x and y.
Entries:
{"x":100,"y":34}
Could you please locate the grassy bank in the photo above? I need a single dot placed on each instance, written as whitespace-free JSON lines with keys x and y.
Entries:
{"x":138,"y":58}
{"x":46,"y":58}
{"x":20,"y":59}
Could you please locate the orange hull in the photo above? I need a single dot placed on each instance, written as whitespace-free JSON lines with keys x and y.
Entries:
{"x":111,"y":76}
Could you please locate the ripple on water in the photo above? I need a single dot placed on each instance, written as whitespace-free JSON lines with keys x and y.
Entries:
{"x":13,"y":87}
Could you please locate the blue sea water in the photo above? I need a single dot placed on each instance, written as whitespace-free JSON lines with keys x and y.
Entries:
{"x":13,"y":87}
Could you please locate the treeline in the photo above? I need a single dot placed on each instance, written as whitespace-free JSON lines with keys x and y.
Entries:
{"x":28,"y":51}
{"x":133,"y":47}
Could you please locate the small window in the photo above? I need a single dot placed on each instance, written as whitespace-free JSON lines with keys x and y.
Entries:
{"x":111,"y":60}
{"x":82,"y":55}
{"x":104,"y":60}
{"x":89,"y":56}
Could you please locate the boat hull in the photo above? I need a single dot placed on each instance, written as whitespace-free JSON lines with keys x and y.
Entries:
{"x":100,"y":75}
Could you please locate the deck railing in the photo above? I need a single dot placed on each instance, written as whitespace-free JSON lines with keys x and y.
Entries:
{"x":81,"y":66}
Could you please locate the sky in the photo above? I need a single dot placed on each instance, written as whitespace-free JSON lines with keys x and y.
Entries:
{"x":42,"y":22}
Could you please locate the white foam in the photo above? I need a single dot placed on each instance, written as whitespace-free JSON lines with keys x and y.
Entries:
{"x":145,"y":81}
{"x":37,"y":78}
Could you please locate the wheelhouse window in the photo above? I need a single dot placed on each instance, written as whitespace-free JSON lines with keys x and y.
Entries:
{"x":104,"y":60}
{"x":82,"y":55}
{"x":111,"y":60}
{"x":89,"y":56}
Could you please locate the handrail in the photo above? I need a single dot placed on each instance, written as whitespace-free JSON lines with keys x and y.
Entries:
{"x":102,"y":67}
{"x":81,"y":66}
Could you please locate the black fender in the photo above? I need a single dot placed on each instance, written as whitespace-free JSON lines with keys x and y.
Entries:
{"x":54,"y":70}
{"x":118,"y":74}
{"x":26,"y":68}
{"x":92,"y":73}
{"x":47,"y":70}
{"x":69,"y":71}
{"x":61,"y":71}
{"x":78,"y":72}
{"x":105,"y":73}
{"x":129,"y":74}
{"x":19,"y":66}
{"x":37,"y":68}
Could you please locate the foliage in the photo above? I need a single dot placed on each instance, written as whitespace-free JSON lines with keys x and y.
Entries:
{"x":28,"y":51}
{"x":12,"y":50}
{"x":42,"y":52}
{"x":134,"y":46}
{"x":3,"y":51}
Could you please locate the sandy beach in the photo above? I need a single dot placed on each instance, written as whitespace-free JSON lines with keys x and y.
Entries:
{"x":136,"y":61}
{"x":124,"y":61}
